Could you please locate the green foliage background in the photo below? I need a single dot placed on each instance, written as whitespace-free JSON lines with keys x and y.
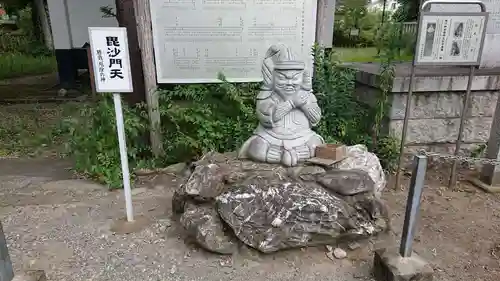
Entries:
{"x":216,"y":117}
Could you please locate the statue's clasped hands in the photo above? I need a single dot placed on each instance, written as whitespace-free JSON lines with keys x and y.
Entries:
{"x":300,"y":98}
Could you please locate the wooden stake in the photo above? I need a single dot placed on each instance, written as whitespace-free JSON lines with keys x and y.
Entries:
{"x":145,"y":37}
{"x":126,"y":18}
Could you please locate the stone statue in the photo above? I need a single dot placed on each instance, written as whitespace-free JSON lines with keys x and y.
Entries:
{"x":287,"y":110}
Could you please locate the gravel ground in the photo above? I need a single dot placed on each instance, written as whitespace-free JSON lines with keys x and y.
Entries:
{"x":62,"y":225}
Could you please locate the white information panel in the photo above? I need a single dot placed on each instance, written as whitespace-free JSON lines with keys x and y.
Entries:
{"x":111,"y":61}
{"x":491,"y":52}
{"x":195,"y":40}
{"x":451,"y":39}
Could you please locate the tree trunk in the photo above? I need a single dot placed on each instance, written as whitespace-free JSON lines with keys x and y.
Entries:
{"x":35,"y":20}
{"x":45,"y":23}
{"x":144,"y":29}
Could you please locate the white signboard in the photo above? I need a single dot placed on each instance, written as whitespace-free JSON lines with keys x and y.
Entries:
{"x":451,"y":39}
{"x":110,"y":57}
{"x":491,"y":52}
{"x":195,"y":40}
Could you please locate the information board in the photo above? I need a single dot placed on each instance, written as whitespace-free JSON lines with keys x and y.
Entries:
{"x":450,"y":38}
{"x":194,"y":40}
{"x":491,"y":52}
{"x":110,"y":57}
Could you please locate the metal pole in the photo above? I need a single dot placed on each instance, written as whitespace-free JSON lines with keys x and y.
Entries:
{"x":408,"y":104}
{"x":405,"y":122}
{"x":6,"y":271}
{"x":413,"y":204}
{"x":123,"y":155}
{"x":382,"y":23}
{"x":453,"y":175}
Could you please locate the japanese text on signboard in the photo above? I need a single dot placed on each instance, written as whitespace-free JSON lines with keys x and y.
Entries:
{"x":111,"y":62}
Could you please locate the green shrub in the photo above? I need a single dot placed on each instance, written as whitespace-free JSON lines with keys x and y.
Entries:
{"x":93,"y":142}
{"x":16,"y":64}
{"x":206,"y":117}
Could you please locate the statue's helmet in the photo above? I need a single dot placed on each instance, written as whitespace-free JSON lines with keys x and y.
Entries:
{"x":280,"y":57}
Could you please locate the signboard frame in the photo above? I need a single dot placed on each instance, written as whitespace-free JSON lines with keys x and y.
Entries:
{"x":122,"y":33}
{"x":414,"y":64}
{"x":485,"y":15}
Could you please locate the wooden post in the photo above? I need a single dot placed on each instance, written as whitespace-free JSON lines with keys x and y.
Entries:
{"x":6,"y":271}
{"x":126,"y":18}
{"x":91,"y":73}
{"x":324,"y":23}
{"x":145,"y":33}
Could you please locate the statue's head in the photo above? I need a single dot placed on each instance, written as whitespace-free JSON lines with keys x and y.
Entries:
{"x":288,"y":77}
{"x":283,"y":73}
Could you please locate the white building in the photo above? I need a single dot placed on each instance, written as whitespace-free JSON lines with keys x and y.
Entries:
{"x":69,"y":22}
{"x":378,"y":5}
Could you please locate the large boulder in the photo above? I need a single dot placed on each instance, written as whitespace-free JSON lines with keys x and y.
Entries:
{"x":274,"y":215}
{"x":270,"y":207}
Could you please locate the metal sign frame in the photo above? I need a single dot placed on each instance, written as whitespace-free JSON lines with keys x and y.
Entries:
{"x":472,"y":70}
{"x":483,"y":36}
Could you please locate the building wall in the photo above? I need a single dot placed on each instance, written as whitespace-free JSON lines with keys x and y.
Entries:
{"x":70,"y":20}
{"x":85,"y":14}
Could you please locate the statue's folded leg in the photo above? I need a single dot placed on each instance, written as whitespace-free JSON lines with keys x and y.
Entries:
{"x":262,"y":151}
{"x":313,"y":142}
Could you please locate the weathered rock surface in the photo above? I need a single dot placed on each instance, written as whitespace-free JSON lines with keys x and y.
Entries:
{"x":274,"y":215}
{"x":204,"y":225}
{"x":270,"y":207}
{"x":359,"y":158}
{"x":343,"y":182}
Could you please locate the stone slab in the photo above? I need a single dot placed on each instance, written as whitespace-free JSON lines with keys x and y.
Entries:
{"x":443,"y":105}
{"x":429,"y":79}
{"x":484,"y":186}
{"x":490,"y":174}
{"x":424,"y":131}
{"x":388,"y":265}
{"x":6,"y":271}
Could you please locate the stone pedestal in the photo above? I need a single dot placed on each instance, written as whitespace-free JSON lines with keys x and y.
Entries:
{"x":388,"y":265}
{"x":6,"y":271}
{"x":489,"y":179}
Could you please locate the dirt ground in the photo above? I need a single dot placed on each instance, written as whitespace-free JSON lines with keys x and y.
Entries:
{"x":62,"y":225}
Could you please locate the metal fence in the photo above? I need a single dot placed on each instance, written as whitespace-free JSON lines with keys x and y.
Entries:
{"x":409,"y":27}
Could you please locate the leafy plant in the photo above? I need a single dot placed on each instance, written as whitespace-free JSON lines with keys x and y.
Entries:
{"x":93,"y":141}
{"x":200,"y":118}
{"x":343,"y":115}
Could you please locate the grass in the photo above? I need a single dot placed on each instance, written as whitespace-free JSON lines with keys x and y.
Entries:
{"x":34,"y":129}
{"x":362,"y":55}
{"x":16,"y":65}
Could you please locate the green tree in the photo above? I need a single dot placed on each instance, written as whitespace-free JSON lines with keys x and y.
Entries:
{"x":351,"y":11}
{"x":407,"y":11}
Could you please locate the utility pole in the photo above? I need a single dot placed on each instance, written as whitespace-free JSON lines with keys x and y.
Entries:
{"x":145,"y":38}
